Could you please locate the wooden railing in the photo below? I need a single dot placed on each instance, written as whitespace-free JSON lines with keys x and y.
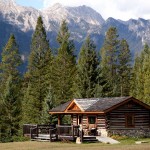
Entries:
{"x":68,"y":130}
{"x":27,"y":129}
{"x":33,"y":132}
{"x":44,"y":129}
{"x":81,"y":135}
{"x":58,"y":132}
{"x":52,"y":134}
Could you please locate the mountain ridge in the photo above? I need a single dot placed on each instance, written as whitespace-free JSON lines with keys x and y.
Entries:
{"x":82,"y":21}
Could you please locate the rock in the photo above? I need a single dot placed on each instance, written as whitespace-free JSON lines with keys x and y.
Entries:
{"x":140,"y":142}
{"x":78,"y":140}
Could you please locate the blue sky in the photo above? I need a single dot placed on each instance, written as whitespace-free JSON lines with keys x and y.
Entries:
{"x":34,"y":3}
{"x":118,"y":9}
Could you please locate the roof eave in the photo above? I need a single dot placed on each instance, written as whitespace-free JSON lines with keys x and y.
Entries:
{"x":92,"y":112}
{"x":125,"y":101}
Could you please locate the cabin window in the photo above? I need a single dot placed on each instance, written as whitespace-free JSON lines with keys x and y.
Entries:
{"x":129,"y":120}
{"x":91,"y":119}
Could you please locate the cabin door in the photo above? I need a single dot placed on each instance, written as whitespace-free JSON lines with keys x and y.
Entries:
{"x":80,"y":117}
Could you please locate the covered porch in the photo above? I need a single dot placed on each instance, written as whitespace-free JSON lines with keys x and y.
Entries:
{"x":92,"y":123}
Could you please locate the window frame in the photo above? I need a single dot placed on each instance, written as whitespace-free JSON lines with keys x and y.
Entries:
{"x":132,"y":117}
{"x":90,"y":119}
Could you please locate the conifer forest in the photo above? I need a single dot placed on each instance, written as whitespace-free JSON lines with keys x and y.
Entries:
{"x":57,"y":76}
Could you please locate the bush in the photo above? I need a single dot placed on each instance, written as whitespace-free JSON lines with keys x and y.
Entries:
{"x":20,"y":138}
{"x":119,"y":137}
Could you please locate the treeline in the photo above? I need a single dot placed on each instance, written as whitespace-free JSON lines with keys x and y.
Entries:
{"x":55,"y":77}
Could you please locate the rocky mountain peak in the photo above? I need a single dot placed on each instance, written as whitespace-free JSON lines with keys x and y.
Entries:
{"x":8,"y":2}
{"x":57,"y":6}
{"x":82,"y":21}
{"x":93,"y":17}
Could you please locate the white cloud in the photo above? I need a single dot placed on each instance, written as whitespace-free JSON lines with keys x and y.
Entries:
{"x":119,"y":9}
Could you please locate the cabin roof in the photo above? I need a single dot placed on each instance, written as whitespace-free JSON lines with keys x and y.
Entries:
{"x":106,"y":103}
{"x":97,"y":104}
{"x":61,"y":107}
{"x":86,"y":103}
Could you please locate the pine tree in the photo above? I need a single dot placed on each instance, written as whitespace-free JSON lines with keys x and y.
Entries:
{"x":141,"y":73}
{"x":48,"y":104}
{"x":11,"y":60}
{"x":135,"y":77}
{"x":3,"y":134}
{"x":64,"y":66}
{"x":109,"y":63}
{"x":38,"y":75}
{"x":146,"y":69}
{"x":87,"y":70}
{"x":124,"y":68}
{"x":12,"y":109}
{"x":10,"y":90}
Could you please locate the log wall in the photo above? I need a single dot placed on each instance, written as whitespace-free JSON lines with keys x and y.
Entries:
{"x":74,"y":119}
{"x":117,"y":120}
{"x":101,"y":122}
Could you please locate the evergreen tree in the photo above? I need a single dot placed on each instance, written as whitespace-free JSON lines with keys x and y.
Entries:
{"x":109,"y":63}
{"x":48,"y":104}
{"x":12,"y":110}
{"x":11,"y":60}
{"x":137,"y":78}
{"x":64,"y":69}
{"x":38,"y":75}
{"x":124,"y":68}
{"x":141,"y":73}
{"x":2,"y":124}
{"x":10,"y":98}
{"x":87,"y":70}
{"x":146,"y":69}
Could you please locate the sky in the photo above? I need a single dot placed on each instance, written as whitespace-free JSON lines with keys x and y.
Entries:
{"x":118,"y":9}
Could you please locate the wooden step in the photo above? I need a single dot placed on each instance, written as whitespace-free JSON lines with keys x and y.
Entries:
{"x":90,"y":139}
{"x":43,"y":138}
{"x":40,"y":140}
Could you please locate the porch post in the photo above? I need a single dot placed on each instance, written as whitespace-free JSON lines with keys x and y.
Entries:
{"x":59,"y":120}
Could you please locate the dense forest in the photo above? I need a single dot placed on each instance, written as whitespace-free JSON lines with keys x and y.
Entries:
{"x":56,"y":76}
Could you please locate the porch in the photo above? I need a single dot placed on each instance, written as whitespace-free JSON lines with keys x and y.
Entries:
{"x":53,"y":133}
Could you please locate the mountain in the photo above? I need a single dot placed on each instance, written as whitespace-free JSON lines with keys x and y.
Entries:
{"x":82,"y":21}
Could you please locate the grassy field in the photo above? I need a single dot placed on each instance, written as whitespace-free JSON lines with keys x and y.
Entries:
{"x":126,"y":145}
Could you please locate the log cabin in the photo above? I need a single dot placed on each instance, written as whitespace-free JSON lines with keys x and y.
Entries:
{"x":125,"y":116}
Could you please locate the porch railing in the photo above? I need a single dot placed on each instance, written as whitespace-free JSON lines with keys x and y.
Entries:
{"x":68,"y":130}
{"x":27,"y":129}
{"x":54,"y":132}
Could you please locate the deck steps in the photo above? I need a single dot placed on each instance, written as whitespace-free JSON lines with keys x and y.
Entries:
{"x":43,"y":137}
{"x":91,"y":139}
{"x":40,"y":140}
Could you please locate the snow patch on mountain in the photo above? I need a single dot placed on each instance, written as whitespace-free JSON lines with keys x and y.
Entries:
{"x":81,"y":20}
{"x":25,"y":17}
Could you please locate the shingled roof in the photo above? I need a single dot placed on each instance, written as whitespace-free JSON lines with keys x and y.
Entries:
{"x":95,"y":104}
{"x":60,"y":108}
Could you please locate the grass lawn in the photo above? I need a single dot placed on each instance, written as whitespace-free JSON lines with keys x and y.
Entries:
{"x":125,"y":145}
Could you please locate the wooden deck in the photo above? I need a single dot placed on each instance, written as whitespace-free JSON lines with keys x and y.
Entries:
{"x":55,"y":133}
{"x":45,"y":137}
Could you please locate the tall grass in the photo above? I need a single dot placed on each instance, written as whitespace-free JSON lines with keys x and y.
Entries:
{"x":70,"y":146}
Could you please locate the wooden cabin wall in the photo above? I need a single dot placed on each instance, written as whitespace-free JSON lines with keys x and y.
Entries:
{"x":102,"y":125}
{"x":117,"y":120}
{"x":74,"y":119}
{"x":101,"y":122}
{"x":84,"y":121}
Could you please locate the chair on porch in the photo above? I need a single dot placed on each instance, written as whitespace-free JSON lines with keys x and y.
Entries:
{"x":93,"y":129}
{"x":90,"y":130}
